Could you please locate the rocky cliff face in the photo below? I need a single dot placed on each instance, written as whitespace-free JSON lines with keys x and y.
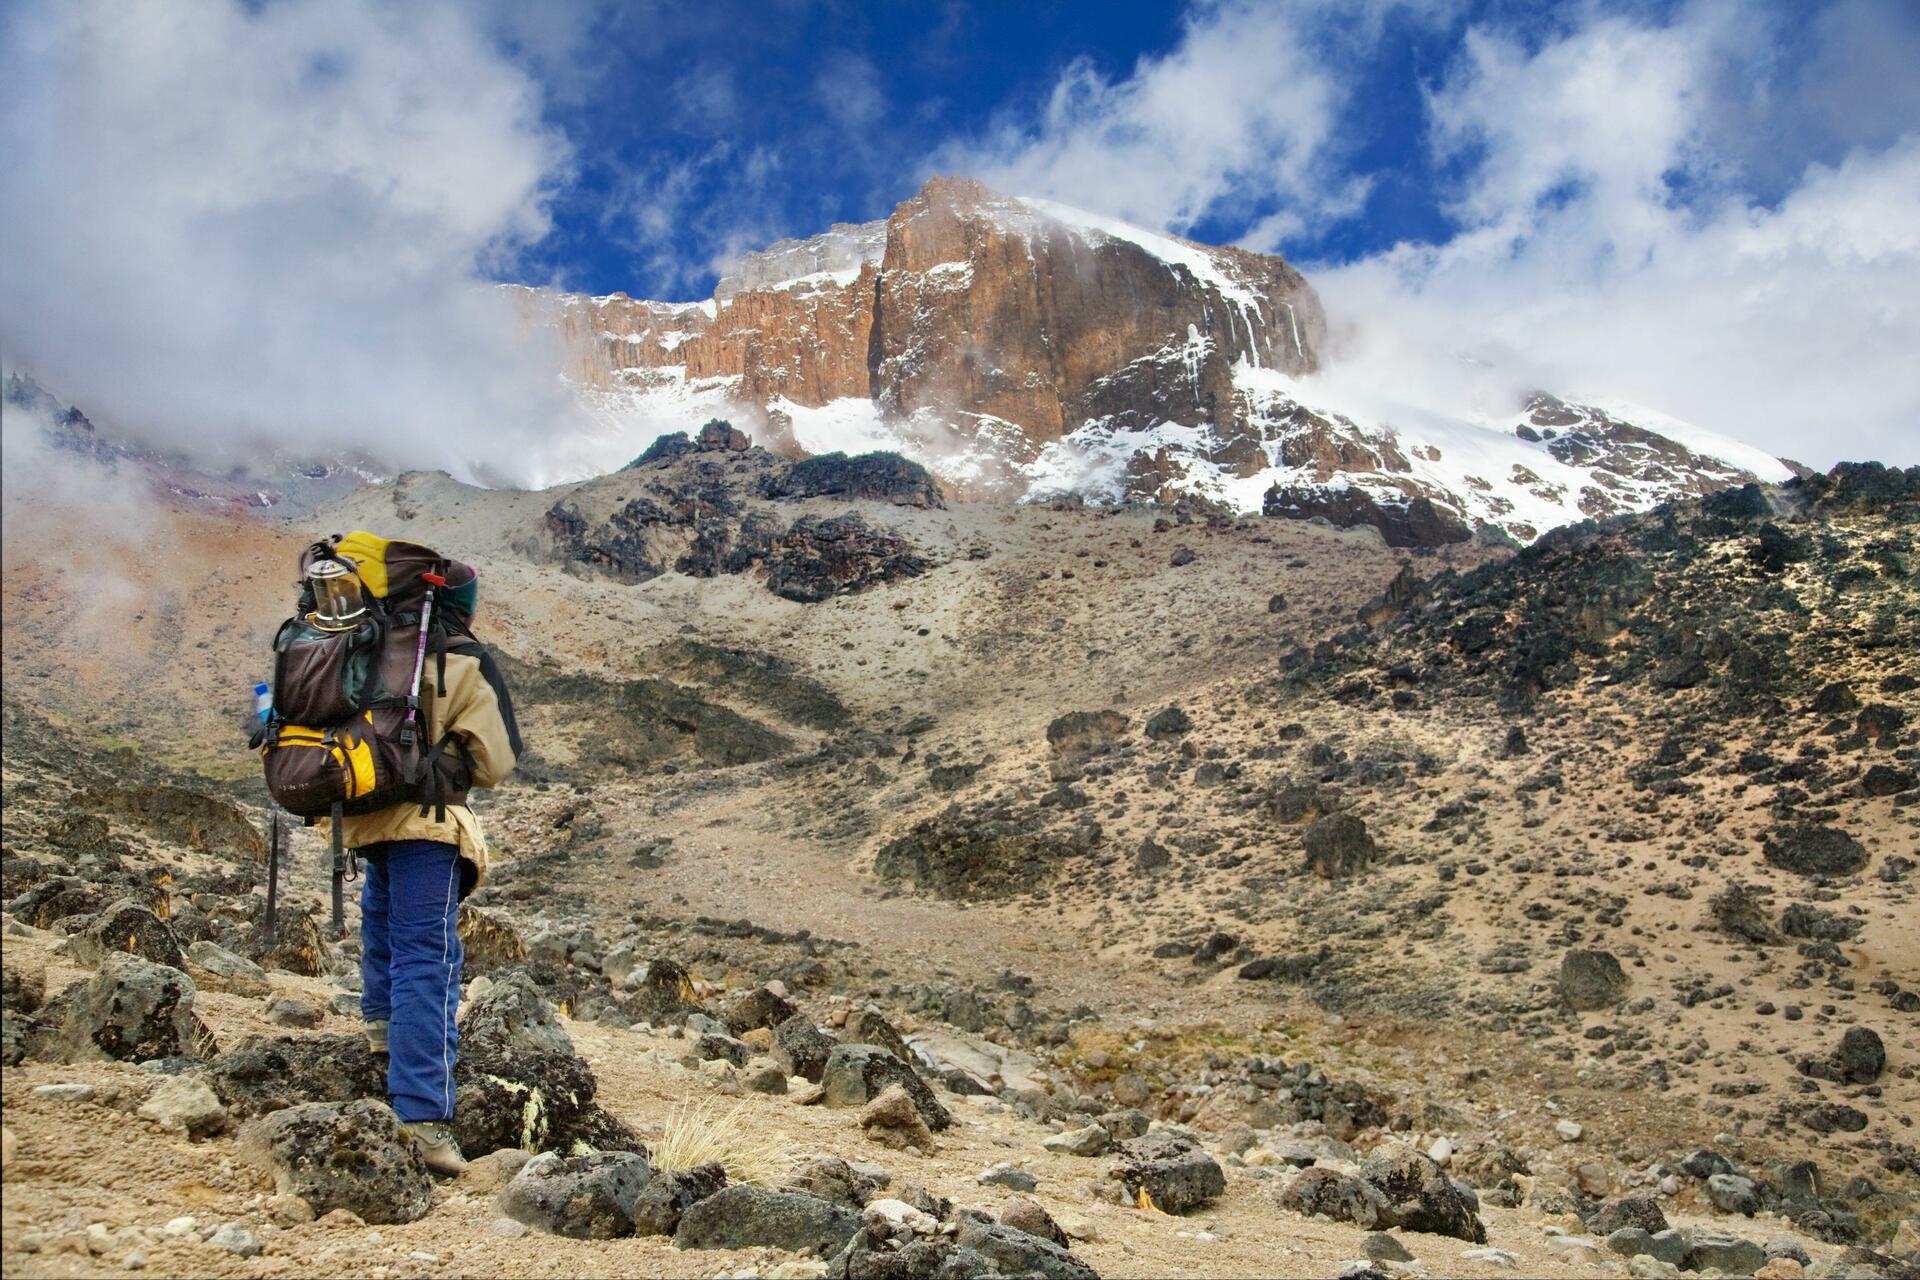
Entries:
{"x":1021,"y":348}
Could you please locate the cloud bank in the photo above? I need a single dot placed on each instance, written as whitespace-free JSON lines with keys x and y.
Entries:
{"x":232,"y":224}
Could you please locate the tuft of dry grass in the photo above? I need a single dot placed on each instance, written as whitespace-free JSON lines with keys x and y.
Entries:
{"x":697,"y":1133}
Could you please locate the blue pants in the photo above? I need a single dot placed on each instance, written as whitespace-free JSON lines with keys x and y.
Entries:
{"x":410,"y":969}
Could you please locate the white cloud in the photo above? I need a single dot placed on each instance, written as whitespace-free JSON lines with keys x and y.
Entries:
{"x":1639,"y":211}
{"x":1608,"y":247}
{"x":228,"y":224}
{"x":1242,"y":111}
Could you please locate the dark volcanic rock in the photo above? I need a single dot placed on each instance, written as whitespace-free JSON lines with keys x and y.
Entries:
{"x":1014,"y":1252}
{"x":1170,"y":723}
{"x":961,"y":855}
{"x":1814,"y":850}
{"x":1861,"y":1056}
{"x":743,"y":1011}
{"x":262,"y":1075}
{"x":818,"y":558}
{"x":1338,"y":846}
{"x":884,"y":477}
{"x":343,"y":1155}
{"x":1628,"y":1211}
{"x":743,"y":1217}
{"x":660,"y":1206}
{"x":589,"y":1197}
{"x":1330,"y":1193}
{"x":832,"y":1179}
{"x":131,"y":928}
{"x":1591,"y":980}
{"x":1419,"y":1196}
{"x":130,"y":1010}
{"x":855,"y":1074}
{"x":801,"y":1048}
{"x":512,"y":1016}
{"x":1416,"y":522}
{"x":1080,"y":732}
{"x":1173,"y":1171}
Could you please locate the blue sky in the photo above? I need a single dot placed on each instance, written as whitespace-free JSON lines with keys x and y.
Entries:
{"x":236,"y":219}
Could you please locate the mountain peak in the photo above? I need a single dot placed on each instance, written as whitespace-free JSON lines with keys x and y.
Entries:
{"x":1023,"y":348}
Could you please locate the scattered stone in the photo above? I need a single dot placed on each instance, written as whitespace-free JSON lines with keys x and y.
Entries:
{"x":758,"y":1007}
{"x":342,"y":1155}
{"x":1010,"y":1176}
{"x":1013,"y":1252}
{"x":1811,"y":849}
{"x":1569,"y":1131}
{"x":742,"y":1217}
{"x":1082,"y":732}
{"x":1171,"y":1170}
{"x":764,"y":1075}
{"x":1630,"y":1242}
{"x":1861,"y":1056}
{"x":1382,"y":1247}
{"x":486,"y":1174}
{"x":833,"y":1179}
{"x":1491,"y":1257}
{"x":1641,"y":1213}
{"x":288,"y":1211}
{"x":1732,"y":1193}
{"x":1026,"y":1215}
{"x":857,"y":1073}
{"x":1723,"y":1252}
{"x":801,"y":1048}
{"x":234,"y":972}
{"x":670,"y":1194}
{"x":1091,"y":1140}
{"x":1591,"y":980}
{"x":186,"y":1104}
{"x":893,"y":1121}
{"x":1170,"y":723}
{"x":127,"y":927}
{"x":1338,"y":846}
{"x":587,"y":1197}
{"x":284,"y":1011}
{"x":237,"y":1240}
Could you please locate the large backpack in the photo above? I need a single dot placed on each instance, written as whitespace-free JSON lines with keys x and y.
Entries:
{"x":348,"y":729}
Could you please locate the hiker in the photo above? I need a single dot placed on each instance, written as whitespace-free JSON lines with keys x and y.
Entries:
{"x":381,"y":671}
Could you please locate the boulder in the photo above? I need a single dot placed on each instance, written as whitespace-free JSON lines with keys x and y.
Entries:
{"x":533,"y":1100}
{"x":264,"y":1074}
{"x":229,"y":970}
{"x":746,"y":1217}
{"x":130,"y":928}
{"x":1642,"y":1212}
{"x":1861,"y":1056}
{"x":23,"y":985}
{"x":869,"y":1026}
{"x":1083,"y":732}
{"x":1325,"y":1192}
{"x":1812,"y":849}
{"x":130,"y":1010}
{"x":1014,"y":1252}
{"x":742,"y":1011}
{"x":1723,"y":1252}
{"x":488,"y":942}
{"x":1170,"y":723}
{"x":1732,"y":1193}
{"x":343,"y":1155}
{"x":1088,"y":1140}
{"x":1026,"y":1215}
{"x":1419,"y":1196}
{"x":1172,"y":1171}
{"x":1338,"y":846}
{"x":587,"y":1197}
{"x":511,"y":1016}
{"x":185,"y":1104}
{"x":671,"y":1193}
{"x":879,"y":1251}
{"x":285,"y":1011}
{"x":832,"y":1179}
{"x":801,"y":1048}
{"x":857,"y":1073}
{"x":1591,"y":980}
{"x":892,"y":1120}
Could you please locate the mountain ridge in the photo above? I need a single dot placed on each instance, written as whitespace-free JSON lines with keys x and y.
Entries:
{"x":1023,"y":349}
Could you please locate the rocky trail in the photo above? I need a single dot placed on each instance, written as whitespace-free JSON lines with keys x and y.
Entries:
{"x":1009,"y":890}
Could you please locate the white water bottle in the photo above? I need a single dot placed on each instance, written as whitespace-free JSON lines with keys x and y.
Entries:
{"x":262,"y":702}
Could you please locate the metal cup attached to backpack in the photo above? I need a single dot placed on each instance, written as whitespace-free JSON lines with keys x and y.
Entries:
{"x":339,"y":602}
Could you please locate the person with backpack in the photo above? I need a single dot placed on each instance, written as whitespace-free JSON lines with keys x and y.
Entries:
{"x":386,"y":712}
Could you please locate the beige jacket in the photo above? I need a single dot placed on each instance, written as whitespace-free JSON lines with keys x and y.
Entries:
{"x":478,"y":711}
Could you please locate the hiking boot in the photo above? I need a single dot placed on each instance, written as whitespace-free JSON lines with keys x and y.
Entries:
{"x":377,"y":1036}
{"x":437,"y":1144}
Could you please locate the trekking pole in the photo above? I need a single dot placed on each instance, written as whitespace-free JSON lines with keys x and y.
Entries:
{"x":420,"y":652}
{"x":273,"y":880}
{"x":339,"y":874}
